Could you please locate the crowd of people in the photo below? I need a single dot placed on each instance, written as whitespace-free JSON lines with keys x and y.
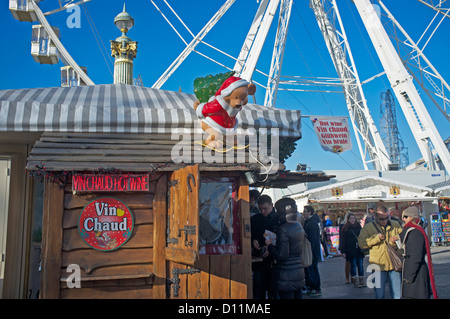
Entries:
{"x":279,"y":232}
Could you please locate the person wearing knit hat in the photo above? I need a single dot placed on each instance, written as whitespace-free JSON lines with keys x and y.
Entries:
{"x":218,"y":115}
{"x":412,"y":212}
{"x":417,"y":277}
{"x":375,"y":236}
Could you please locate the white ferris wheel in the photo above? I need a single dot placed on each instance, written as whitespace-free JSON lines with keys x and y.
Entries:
{"x":405,"y":75}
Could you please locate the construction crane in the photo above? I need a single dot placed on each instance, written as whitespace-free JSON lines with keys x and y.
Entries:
{"x":390,"y":134}
{"x":372,"y":148}
{"x":423,"y":129}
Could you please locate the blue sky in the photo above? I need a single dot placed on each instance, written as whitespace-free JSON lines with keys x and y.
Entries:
{"x":158,"y":46}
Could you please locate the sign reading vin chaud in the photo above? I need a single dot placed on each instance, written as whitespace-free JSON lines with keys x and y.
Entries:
{"x":105,"y":223}
{"x":333,"y":133}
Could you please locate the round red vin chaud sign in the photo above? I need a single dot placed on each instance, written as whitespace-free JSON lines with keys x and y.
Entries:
{"x":105,"y":223}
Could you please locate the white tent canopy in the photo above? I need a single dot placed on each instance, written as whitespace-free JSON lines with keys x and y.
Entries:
{"x":443,"y":190}
{"x":365,"y":189}
{"x":120,"y":108}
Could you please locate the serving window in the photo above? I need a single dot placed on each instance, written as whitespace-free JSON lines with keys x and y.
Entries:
{"x":219,"y":216}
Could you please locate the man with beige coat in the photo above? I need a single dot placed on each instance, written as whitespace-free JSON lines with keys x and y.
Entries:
{"x":375,"y":236}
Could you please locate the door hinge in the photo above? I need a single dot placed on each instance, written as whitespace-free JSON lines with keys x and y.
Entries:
{"x":170,"y":240}
{"x":175,"y":281}
{"x":173,"y":182}
{"x":169,"y":185}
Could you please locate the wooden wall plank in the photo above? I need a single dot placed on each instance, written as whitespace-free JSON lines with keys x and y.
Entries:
{"x":136,"y":200}
{"x":136,"y":292}
{"x":122,"y":270}
{"x":142,"y":237}
{"x":241,"y":268}
{"x":198,"y":283}
{"x":113,"y":281}
{"x":219,"y":285}
{"x":159,"y":237}
{"x":90,"y":259}
{"x":52,"y":234}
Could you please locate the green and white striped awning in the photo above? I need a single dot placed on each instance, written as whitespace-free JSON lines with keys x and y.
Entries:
{"x":120,"y":108}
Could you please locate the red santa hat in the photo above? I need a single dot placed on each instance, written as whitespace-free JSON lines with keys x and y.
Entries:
{"x":230,"y":84}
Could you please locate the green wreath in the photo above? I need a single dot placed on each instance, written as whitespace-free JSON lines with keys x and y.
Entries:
{"x":205,"y":87}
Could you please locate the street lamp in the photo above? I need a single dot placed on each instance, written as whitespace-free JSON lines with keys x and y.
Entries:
{"x":123,"y":49}
{"x":124,"y":22}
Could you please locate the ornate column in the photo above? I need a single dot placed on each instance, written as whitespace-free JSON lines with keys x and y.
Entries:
{"x":123,"y":49}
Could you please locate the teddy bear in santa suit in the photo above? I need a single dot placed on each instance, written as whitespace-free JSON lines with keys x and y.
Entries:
{"x":218,"y":115}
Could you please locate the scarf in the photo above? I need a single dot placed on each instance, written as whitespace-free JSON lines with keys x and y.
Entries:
{"x":430,"y":264}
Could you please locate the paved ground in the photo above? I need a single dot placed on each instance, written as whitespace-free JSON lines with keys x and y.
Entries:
{"x":333,"y":278}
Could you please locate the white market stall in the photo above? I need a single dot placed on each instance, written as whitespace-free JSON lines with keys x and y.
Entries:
{"x":353,"y":195}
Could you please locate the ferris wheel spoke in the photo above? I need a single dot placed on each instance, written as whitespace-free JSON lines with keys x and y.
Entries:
{"x":65,"y":7}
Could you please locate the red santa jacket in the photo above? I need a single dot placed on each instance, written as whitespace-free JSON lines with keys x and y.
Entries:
{"x":218,"y":114}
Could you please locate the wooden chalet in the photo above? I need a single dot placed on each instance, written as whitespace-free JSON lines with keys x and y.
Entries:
{"x":191,"y":223}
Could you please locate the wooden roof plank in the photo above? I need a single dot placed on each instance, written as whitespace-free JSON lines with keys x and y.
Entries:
{"x":101,"y":152}
{"x":57,"y":145}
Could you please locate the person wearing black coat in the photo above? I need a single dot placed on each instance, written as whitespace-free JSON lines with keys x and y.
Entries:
{"x":266,"y":219}
{"x":415,"y":272}
{"x":312,"y":229}
{"x":416,"y":280}
{"x":348,"y":245}
{"x":288,"y":276}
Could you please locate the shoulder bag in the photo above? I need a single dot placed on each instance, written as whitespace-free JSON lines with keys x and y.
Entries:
{"x":307,"y":256}
{"x":395,"y":258}
{"x":363,"y":250}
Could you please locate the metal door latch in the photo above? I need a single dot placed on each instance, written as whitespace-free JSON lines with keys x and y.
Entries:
{"x":175,"y":281}
{"x":188,"y":230}
{"x":169,"y":185}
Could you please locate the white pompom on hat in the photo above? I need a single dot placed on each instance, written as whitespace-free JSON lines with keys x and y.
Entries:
{"x":230,"y":84}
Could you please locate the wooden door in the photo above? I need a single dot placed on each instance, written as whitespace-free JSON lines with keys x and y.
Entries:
{"x":182,"y":235}
{"x":182,"y":219}
{"x":196,"y":272}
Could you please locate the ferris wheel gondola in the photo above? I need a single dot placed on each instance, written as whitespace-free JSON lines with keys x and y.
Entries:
{"x":43,"y":48}
{"x":22,"y":10}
